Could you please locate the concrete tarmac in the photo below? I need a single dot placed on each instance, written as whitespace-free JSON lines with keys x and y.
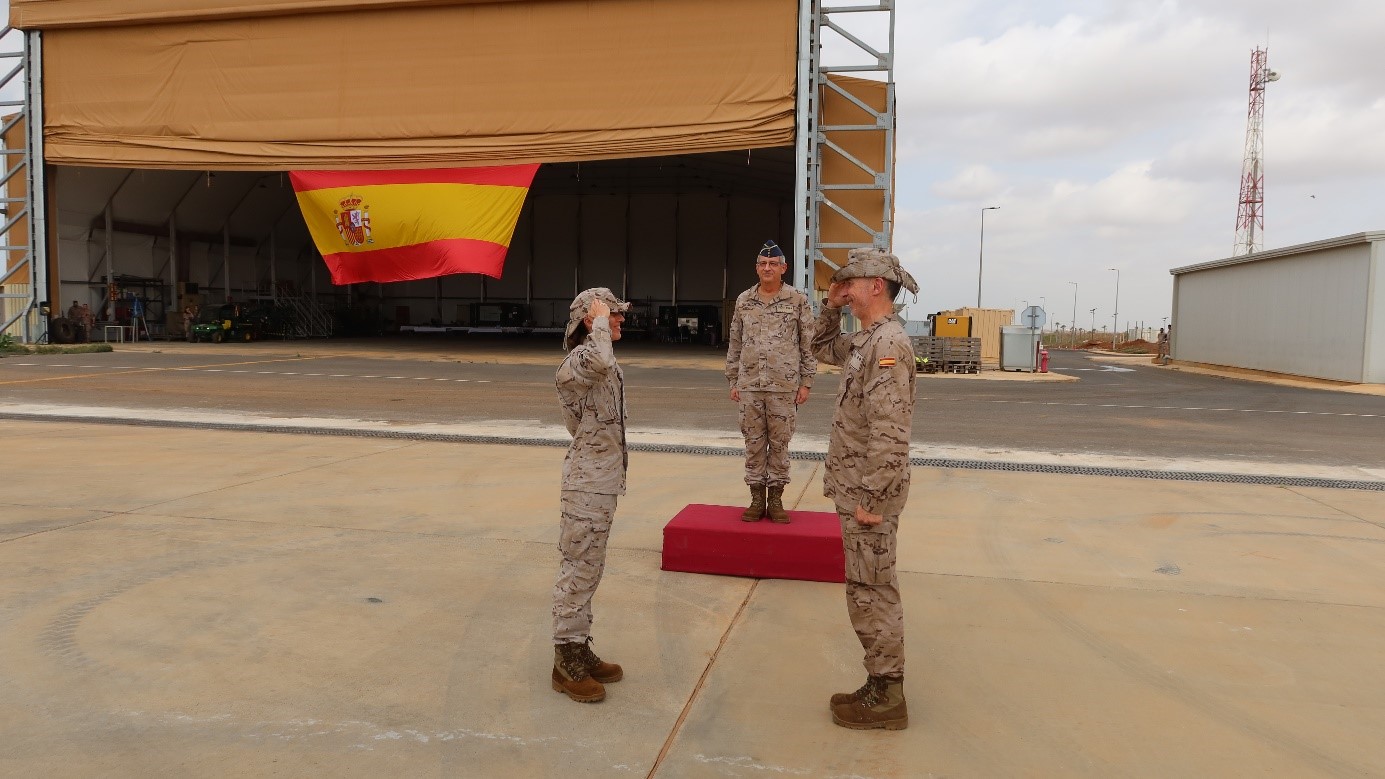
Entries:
{"x":179,"y":602}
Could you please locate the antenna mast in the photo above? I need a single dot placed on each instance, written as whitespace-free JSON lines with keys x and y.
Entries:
{"x":1250,"y":215}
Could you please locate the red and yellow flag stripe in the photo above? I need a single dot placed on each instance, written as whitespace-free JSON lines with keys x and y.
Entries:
{"x":397,"y":225}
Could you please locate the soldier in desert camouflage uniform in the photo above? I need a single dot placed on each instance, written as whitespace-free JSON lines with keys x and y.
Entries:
{"x":591,"y":389}
{"x":867,"y":473}
{"x":770,"y":365}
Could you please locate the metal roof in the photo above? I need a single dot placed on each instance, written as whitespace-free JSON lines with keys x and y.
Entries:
{"x":1286,"y":251}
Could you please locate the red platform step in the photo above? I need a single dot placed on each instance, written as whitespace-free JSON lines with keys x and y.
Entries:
{"x":713,"y":539}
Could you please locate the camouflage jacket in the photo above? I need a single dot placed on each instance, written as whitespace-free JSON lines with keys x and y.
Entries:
{"x":591,"y":389}
{"x":868,"y":451}
{"x":771,"y":347}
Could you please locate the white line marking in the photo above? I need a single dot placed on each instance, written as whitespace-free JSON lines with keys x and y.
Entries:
{"x":1175,"y":408}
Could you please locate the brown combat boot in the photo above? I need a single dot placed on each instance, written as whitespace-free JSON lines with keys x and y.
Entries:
{"x":600,"y":670}
{"x":880,"y":706}
{"x":756,"y":510}
{"x":570,"y":675}
{"x":774,"y":505}
{"x":848,"y":697}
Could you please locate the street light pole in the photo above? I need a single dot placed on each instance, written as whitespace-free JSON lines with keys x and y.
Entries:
{"x":1115,"y":315}
{"x":1074,"y":313}
{"x":981,"y":254}
{"x":1094,"y":321}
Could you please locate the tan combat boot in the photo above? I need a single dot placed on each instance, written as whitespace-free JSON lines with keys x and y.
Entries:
{"x":774,"y":505}
{"x":600,"y":670}
{"x":756,"y":510}
{"x":880,"y":706}
{"x":570,"y":675}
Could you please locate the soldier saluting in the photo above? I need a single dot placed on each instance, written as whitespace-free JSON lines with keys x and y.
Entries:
{"x":591,"y":389}
{"x":867,"y":472}
{"x":770,"y":365}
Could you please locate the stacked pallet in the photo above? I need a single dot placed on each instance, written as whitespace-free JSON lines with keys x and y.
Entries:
{"x":963,"y":355}
{"x":931,"y":353}
{"x":947,"y":355}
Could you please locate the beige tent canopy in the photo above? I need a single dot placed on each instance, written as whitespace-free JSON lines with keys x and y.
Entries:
{"x":669,"y":129}
{"x":208,"y":84}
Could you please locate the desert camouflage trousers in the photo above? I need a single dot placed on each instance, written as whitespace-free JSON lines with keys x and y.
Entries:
{"x":872,"y":591}
{"x":767,"y":420}
{"x":585,"y":527}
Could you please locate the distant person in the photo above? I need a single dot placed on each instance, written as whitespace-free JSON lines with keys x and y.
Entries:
{"x":770,"y":365}
{"x":190,"y":313}
{"x":88,"y":320}
{"x":1163,"y":343}
{"x":591,"y":389}
{"x":79,"y":328}
{"x":867,"y":472}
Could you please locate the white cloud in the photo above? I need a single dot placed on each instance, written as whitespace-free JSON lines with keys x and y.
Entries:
{"x":970,"y":183}
{"x":1112,"y":135}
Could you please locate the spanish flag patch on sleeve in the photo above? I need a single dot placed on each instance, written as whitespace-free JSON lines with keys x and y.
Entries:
{"x":886,"y":362}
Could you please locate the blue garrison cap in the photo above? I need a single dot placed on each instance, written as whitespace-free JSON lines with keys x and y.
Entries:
{"x":771,"y":249}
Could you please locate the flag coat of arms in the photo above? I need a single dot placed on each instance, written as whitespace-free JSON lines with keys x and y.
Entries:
{"x":399,"y":225}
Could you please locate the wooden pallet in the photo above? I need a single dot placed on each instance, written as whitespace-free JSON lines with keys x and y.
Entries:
{"x":948,"y":355}
{"x":932,"y":351}
{"x":963,"y":355}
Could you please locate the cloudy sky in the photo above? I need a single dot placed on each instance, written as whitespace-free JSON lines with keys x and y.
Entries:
{"x":1111,"y":136}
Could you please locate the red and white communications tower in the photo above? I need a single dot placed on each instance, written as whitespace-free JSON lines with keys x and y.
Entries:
{"x":1250,"y":215}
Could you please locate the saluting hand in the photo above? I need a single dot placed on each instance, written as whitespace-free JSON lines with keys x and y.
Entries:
{"x":598,"y":308}
{"x":836,"y":294}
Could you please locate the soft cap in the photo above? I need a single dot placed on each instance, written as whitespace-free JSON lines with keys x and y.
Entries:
{"x":578,"y":310}
{"x":874,"y":263}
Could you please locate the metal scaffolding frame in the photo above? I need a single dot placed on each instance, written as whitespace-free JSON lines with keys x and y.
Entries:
{"x":26,"y":251}
{"x":811,"y":194}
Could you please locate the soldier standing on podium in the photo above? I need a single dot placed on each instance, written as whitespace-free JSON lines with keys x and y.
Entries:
{"x":770,"y":366}
{"x":867,"y":472}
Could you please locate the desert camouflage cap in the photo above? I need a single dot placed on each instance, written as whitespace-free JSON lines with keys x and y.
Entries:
{"x":578,"y":310}
{"x":873,"y":263}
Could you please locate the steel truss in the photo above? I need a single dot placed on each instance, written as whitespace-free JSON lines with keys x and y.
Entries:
{"x":814,"y":137}
{"x":23,"y":226}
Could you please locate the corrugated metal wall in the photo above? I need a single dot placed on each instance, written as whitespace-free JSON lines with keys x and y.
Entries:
{"x":1304,"y":311}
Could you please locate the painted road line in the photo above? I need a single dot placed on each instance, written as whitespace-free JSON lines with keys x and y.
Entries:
{"x":1168,"y":408}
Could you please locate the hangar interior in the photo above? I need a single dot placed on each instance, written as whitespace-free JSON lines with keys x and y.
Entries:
{"x":664,"y":232}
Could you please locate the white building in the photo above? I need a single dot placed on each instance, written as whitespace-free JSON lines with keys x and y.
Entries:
{"x":1316,"y":309}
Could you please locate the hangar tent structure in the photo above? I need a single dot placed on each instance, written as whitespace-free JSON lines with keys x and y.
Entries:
{"x":148,"y":151}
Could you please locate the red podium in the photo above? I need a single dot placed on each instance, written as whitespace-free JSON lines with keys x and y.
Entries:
{"x":713,"y":539}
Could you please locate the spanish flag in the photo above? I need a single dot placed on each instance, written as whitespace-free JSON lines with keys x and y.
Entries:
{"x":398,"y":225}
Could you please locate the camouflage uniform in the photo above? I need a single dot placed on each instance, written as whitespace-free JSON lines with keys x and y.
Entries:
{"x":591,"y":389}
{"x":868,"y":459}
{"x":770,"y":356}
